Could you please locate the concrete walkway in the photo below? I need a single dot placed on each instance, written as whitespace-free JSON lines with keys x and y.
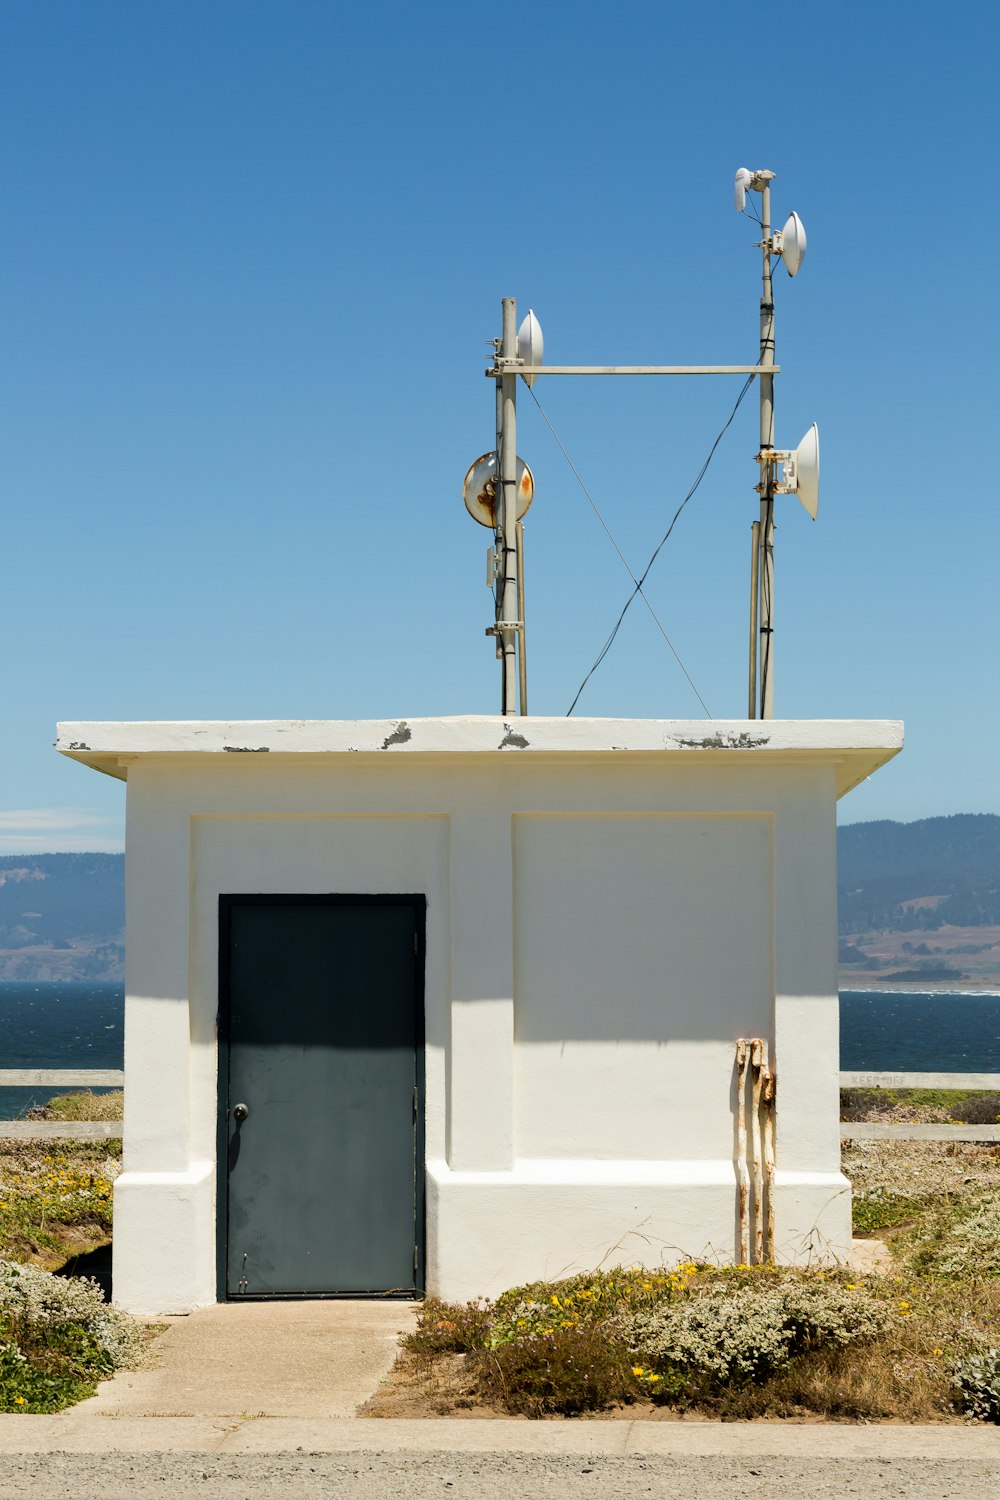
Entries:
{"x":81,"y":1431}
{"x":308,"y":1360}
{"x":289,"y":1377}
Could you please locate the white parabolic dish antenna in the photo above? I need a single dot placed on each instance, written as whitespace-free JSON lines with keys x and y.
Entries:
{"x":479,"y":490}
{"x":793,"y":243}
{"x":802,"y":471}
{"x":530,"y":345}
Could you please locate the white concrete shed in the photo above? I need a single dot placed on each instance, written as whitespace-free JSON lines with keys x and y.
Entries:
{"x":451,"y":1004}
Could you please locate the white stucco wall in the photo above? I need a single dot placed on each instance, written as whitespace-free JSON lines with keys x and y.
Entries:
{"x":602,"y":924}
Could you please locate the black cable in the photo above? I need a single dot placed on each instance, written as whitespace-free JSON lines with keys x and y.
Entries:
{"x":663,"y":540}
{"x":611,"y":538}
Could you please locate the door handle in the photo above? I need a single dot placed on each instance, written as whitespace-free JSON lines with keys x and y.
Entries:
{"x":240,"y":1112}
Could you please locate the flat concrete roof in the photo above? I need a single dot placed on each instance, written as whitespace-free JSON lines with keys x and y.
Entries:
{"x":855,"y":747}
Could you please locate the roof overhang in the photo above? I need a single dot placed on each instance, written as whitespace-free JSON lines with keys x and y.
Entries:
{"x":854,"y":747}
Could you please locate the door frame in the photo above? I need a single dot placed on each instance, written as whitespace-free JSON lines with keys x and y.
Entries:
{"x":418,"y":904}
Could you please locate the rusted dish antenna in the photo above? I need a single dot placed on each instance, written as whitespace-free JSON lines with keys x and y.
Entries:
{"x":479,"y":490}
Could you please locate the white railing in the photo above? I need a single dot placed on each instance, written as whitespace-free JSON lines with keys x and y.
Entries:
{"x":63,"y":1130}
{"x":102,"y":1130}
{"x":904,"y":1131}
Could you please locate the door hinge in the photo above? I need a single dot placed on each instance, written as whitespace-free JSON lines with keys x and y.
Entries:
{"x":416,"y":946}
{"x":416,"y":1101}
{"x":416,"y":1260}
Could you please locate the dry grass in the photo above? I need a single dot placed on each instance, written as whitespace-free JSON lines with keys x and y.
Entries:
{"x":83,"y":1104}
{"x":902,"y":1376}
{"x":935,"y":1197}
{"x":905,"y":1377}
{"x":920,"y":1169}
{"x":444,"y":1386}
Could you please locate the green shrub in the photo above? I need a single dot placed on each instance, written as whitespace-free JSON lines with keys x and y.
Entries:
{"x":737,"y":1336}
{"x":450,"y":1328}
{"x":58,"y":1337}
{"x":981,"y":1109}
{"x":828,"y":1314}
{"x":976,"y":1380}
{"x":55,"y":1199}
{"x":732,"y":1331}
{"x":85,"y":1104}
{"x":870,"y":1214}
{"x":971,"y":1246}
{"x":582,"y":1300}
{"x":855,"y":1104}
{"x":30,"y":1386}
{"x":561,"y":1371}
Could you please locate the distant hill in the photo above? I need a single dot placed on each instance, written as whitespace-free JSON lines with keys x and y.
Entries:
{"x":62,"y":916}
{"x":919,"y":902}
{"x":917,"y":877}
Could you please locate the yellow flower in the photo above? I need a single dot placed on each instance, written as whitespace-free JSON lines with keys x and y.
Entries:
{"x":555,"y":1300}
{"x":19,"y":1401}
{"x":638,"y":1370}
{"x":652,"y":1378}
{"x":937,"y":1351}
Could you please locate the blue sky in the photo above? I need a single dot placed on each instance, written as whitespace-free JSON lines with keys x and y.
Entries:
{"x":252,"y":257}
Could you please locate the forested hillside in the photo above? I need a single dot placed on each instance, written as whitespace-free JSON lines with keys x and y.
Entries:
{"x":920,"y":876}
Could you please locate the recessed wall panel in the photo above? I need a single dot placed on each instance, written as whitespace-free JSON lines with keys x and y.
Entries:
{"x":642,"y":950}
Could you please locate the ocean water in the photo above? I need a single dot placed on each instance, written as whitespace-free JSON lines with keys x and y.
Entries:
{"x":905,"y":1031}
{"x":81,"y":1026}
{"x":57,"y":1026}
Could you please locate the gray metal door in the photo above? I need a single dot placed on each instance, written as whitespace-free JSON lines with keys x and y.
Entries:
{"x":321,"y":1050}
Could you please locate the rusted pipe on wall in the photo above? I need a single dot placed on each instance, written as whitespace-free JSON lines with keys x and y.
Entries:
{"x":755,"y":1180}
{"x":769,"y":1159}
{"x":742,"y":1175}
{"x":756,"y":1084}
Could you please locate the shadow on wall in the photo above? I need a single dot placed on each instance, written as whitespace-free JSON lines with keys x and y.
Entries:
{"x":642,"y":928}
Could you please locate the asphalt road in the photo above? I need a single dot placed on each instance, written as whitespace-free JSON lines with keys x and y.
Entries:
{"x":488,"y":1476}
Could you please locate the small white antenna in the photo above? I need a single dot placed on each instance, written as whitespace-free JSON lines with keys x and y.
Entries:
{"x":790,"y":243}
{"x":801,"y":472}
{"x":530,"y":345}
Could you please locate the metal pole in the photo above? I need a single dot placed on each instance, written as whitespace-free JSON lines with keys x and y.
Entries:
{"x":754,"y":601}
{"x":498,"y":527}
{"x":507,"y":511}
{"x":766,"y":383}
{"x":522,"y":645}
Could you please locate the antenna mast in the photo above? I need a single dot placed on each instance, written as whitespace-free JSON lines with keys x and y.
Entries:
{"x":499,"y":487}
{"x":800,"y":474}
{"x":508,"y":622}
{"x":765,"y":535}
